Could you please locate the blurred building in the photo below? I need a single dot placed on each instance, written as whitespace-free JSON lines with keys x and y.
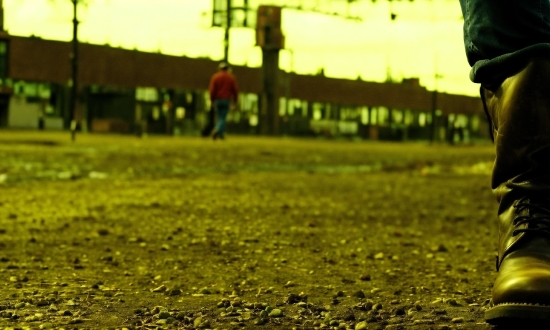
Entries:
{"x":128,"y":91}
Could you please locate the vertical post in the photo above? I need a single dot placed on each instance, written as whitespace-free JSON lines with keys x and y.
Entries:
{"x":270,"y":82}
{"x":434,"y":110}
{"x":289,"y":75}
{"x":245,"y":21}
{"x":226,"y":39}
{"x":269,"y":36}
{"x":74,"y":77}
{"x":434,"y":100}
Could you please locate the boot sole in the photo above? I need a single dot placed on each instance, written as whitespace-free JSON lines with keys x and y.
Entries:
{"x":510,"y":314}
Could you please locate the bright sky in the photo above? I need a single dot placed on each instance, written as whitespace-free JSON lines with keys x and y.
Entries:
{"x":424,"y":40}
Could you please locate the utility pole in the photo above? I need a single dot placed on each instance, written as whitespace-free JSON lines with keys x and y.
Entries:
{"x":433,"y":126}
{"x":433,"y":129}
{"x":74,"y":76}
{"x":226,"y":39}
{"x":222,"y":16}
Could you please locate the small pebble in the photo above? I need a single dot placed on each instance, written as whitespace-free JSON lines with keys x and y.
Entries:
{"x":205,"y":291}
{"x":458,"y":320}
{"x":359,"y":294}
{"x":163,"y":315}
{"x":276,"y":313}
{"x":399,"y":311}
{"x":161,"y":288}
{"x":261,"y":321}
{"x":361,"y":326}
{"x":365,"y":277}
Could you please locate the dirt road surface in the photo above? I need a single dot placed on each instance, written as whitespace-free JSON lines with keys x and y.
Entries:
{"x":114,"y":232}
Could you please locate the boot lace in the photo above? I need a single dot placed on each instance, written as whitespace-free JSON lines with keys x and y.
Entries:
{"x":537,"y":219}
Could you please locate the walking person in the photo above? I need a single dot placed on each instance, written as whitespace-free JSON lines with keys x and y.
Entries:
{"x":508,"y":47}
{"x":224,"y":94}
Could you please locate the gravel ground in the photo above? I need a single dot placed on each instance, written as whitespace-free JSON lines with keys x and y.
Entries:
{"x":263,"y":233}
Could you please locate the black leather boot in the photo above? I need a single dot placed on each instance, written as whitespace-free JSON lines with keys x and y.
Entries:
{"x":519,"y":113}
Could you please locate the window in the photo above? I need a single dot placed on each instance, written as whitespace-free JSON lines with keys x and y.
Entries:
{"x":30,"y":89}
{"x":364,"y":115}
{"x":291,"y":106}
{"x":248,"y":103}
{"x":408,"y":117}
{"x":189,"y":97}
{"x":253,"y":120}
{"x":397,"y":116}
{"x":156,"y":113}
{"x":383,"y":115}
{"x":147,"y":94}
{"x":180,"y":112}
{"x":282,"y":107}
{"x":422,"y":119}
{"x":374,"y":116}
{"x":317,"y":111}
{"x":44,"y":91}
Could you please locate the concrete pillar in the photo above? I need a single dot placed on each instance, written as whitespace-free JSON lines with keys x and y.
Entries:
{"x":270,"y":38}
{"x":270,"y":123}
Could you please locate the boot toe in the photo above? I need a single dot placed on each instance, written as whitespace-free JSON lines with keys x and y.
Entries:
{"x":523,"y":279}
{"x":522,"y":293}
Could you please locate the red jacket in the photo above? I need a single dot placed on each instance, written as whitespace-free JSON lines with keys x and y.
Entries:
{"x":223,"y":85}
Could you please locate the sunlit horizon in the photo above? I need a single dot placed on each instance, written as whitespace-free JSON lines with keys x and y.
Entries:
{"x":424,"y":41}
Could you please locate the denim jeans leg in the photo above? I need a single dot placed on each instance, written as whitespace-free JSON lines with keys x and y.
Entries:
{"x":497,"y":27}
{"x":222,"y":115}
{"x":222,"y":108}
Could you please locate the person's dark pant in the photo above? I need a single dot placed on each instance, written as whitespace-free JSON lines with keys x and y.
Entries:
{"x":222,"y":108}
{"x":501,"y":35}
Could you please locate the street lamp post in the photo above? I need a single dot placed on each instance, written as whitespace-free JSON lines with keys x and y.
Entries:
{"x":74,"y":72}
{"x":437,"y":76}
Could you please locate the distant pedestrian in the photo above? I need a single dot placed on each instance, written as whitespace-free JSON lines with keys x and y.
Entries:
{"x":223,"y":96}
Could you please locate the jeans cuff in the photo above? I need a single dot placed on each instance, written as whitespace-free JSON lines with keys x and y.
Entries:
{"x":495,"y":70}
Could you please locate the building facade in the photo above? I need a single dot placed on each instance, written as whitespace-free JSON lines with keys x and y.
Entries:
{"x":128,"y":91}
